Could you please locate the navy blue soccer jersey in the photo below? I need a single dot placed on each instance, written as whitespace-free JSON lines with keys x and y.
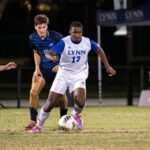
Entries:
{"x":42,"y":46}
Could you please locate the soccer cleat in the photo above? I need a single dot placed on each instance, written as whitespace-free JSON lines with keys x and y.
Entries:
{"x":36,"y":129}
{"x":30,"y":125}
{"x":78,"y":121}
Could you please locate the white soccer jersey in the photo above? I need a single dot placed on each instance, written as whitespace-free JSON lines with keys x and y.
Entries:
{"x":73,"y":70}
{"x":74,"y":57}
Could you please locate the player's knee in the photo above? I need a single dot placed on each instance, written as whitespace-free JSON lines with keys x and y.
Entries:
{"x":33,"y":94}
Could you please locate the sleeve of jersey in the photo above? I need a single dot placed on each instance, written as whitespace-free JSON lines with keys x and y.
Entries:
{"x":59,"y":37}
{"x":94,"y":46}
{"x":59,"y":47}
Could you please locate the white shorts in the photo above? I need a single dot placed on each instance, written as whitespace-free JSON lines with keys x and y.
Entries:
{"x":67,"y":79}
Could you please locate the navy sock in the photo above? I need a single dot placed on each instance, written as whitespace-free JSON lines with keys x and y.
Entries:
{"x":33,"y":113}
{"x":63,"y":111}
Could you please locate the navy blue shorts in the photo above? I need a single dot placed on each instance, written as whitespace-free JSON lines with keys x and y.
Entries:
{"x":48,"y":75}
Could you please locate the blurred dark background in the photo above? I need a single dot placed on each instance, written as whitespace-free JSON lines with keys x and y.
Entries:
{"x":16,"y":23}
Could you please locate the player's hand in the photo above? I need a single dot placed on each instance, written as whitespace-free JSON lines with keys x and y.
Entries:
{"x":50,"y":55}
{"x":110,"y":71}
{"x":52,"y":58}
{"x":11,"y":65}
{"x":55,"y":58}
{"x":55,"y":69}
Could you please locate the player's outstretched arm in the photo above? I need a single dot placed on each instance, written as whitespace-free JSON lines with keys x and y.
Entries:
{"x":51,"y":55}
{"x":10,"y":65}
{"x":109,"y":69}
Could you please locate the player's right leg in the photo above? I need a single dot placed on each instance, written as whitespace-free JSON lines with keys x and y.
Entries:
{"x":36,"y":88}
{"x":45,"y":110}
{"x":57,"y":90}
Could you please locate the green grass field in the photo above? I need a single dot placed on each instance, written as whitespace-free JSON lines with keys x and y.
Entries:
{"x":105,"y":128}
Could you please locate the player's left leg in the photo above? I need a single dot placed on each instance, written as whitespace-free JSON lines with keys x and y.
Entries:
{"x":63,"y":102}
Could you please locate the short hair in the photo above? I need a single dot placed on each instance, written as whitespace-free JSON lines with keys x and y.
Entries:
{"x":40,"y":19}
{"x":76,"y":24}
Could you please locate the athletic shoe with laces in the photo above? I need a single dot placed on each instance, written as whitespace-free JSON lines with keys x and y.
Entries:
{"x":78,"y":121}
{"x":30,"y":125}
{"x":36,"y":129}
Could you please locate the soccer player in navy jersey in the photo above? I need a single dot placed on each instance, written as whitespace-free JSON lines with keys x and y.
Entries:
{"x":41,"y":41}
{"x":74,"y":50}
{"x":8,"y":66}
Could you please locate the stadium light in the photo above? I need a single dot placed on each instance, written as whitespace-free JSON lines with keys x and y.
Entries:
{"x":121,"y":29}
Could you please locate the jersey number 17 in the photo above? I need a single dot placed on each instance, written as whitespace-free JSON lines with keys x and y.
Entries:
{"x":75,"y":59}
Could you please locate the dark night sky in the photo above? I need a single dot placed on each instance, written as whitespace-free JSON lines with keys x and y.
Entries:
{"x":17,"y":23}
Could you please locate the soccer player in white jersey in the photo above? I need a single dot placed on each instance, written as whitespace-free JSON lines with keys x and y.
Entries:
{"x":73,"y":72}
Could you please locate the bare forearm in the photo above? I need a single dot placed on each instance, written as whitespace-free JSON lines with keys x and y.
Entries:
{"x":103,"y":58}
{"x":51,"y":55}
{"x":2,"y":67}
{"x":109,"y":69}
{"x":8,"y":66}
{"x":37,"y":60}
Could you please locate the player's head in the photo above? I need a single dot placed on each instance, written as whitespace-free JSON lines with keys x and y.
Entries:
{"x":76,"y":31}
{"x":41,"y":22}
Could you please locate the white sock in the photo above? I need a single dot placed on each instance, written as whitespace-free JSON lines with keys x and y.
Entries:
{"x":77,"y":110}
{"x":73,"y":113}
{"x":42,"y":117}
